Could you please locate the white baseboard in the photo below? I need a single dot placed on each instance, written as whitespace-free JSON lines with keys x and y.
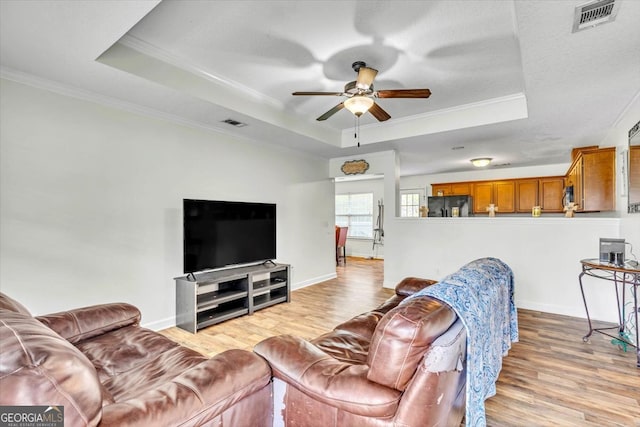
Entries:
{"x":365,"y":255}
{"x":313,"y":281}
{"x":556,"y":309}
{"x":159,"y":325}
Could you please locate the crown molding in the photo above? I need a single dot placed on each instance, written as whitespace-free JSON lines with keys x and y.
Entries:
{"x":626,"y":109}
{"x":148,"y":49}
{"x":107,"y":101}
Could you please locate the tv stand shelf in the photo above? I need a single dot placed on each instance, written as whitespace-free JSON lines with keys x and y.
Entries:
{"x":216,"y":296}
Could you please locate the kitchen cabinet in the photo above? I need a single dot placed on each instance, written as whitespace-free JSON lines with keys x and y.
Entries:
{"x":527,"y":194}
{"x":550,"y":194}
{"x":574,"y":182}
{"x":499,"y":193}
{"x":504,"y":196}
{"x":517,"y":195}
{"x":592,"y":176}
{"x":510,"y":195}
{"x":453,"y":189}
{"x":633,"y":169}
{"x":544,"y":192}
{"x":441,"y":190}
{"x":482,"y":196}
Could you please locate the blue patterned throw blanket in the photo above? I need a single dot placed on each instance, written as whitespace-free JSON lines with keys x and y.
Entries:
{"x":481,"y":293}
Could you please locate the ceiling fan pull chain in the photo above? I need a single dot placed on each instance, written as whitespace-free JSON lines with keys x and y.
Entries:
{"x":355,"y":130}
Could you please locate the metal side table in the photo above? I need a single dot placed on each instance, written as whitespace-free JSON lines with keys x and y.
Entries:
{"x":622,"y":277}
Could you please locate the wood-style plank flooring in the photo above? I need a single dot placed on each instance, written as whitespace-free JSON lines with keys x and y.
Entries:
{"x":549,"y":378}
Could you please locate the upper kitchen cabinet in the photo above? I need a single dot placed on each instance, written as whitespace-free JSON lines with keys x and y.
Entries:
{"x":592,"y":177}
{"x":510,"y":195}
{"x":527,"y":194}
{"x":452,"y":189}
{"x":498,"y":193}
{"x":551,"y":192}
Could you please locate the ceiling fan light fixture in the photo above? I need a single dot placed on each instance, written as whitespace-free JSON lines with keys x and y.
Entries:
{"x":365,"y":78}
{"x":358,"y":104}
{"x":481,"y":162}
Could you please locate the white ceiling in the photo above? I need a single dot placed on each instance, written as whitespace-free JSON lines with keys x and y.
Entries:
{"x":509,"y":80}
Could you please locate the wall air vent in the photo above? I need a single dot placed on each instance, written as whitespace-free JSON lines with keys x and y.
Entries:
{"x":234,"y":123}
{"x":595,"y":12}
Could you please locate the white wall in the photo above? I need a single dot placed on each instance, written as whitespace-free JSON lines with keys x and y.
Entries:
{"x":544,"y":254}
{"x":357,"y":246}
{"x":91,"y":202}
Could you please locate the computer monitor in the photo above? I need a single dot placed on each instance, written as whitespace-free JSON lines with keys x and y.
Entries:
{"x":608,"y":246}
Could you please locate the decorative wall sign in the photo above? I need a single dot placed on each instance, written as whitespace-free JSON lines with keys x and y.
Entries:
{"x":354,"y":167}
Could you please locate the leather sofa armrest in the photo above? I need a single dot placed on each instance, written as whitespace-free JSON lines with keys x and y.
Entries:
{"x":315,"y":373}
{"x":410,"y":285}
{"x":87,"y":322}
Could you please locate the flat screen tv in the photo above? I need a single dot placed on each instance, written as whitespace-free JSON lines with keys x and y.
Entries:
{"x":221,"y":233}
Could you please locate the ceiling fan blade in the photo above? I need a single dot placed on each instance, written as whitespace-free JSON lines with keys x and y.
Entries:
{"x":317,"y":93}
{"x":379,"y":113}
{"x":331,"y":112}
{"x":404,"y":93}
{"x":365,"y":77}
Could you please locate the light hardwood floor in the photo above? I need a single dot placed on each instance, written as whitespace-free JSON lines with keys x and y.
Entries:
{"x":549,"y":378}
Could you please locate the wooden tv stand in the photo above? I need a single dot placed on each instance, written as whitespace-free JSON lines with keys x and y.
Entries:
{"x":216,"y":296}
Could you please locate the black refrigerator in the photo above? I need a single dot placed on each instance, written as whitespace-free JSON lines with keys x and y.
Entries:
{"x":441,"y":206}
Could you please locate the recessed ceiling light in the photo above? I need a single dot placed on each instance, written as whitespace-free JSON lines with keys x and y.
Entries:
{"x":481,"y":161}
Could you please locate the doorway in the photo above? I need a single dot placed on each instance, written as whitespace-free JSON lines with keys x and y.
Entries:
{"x":360,"y":206}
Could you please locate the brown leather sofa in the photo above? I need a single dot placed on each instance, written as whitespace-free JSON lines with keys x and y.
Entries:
{"x":106,"y":370}
{"x":397,"y":365}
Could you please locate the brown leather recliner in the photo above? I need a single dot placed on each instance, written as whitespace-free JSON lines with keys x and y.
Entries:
{"x":398,"y":365}
{"x":106,"y":370}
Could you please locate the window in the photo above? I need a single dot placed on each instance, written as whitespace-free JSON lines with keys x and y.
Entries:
{"x":356,"y":212}
{"x":410,"y":202}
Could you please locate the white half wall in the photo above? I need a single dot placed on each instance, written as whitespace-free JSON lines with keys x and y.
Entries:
{"x":91,"y":202}
{"x":544,"y":254}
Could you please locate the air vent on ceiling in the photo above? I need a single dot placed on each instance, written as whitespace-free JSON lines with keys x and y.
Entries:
{"x":234,"y":123}
{"x":595,"y":12}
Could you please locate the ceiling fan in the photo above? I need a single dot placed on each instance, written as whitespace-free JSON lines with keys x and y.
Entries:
{"x":360,"y":94}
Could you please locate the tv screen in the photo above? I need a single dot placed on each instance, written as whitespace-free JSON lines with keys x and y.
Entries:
{"x":221,"y":233}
